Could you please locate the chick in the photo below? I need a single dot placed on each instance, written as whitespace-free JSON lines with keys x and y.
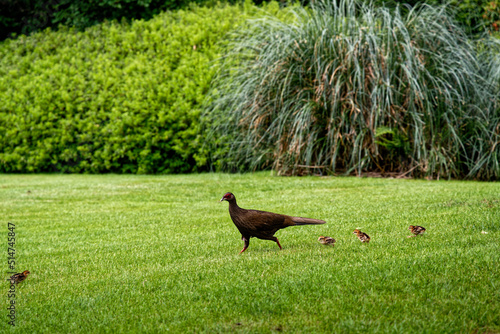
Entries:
{"x":363,"y":237}
{"x":327,"y":240}
{"x":416,"y":230}
{"x":19,"y":277}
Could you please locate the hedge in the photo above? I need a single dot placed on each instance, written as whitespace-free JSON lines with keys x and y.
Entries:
{"x":119,"y":97}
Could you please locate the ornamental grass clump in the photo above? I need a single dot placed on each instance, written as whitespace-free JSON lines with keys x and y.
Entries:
{"x":348,"y":87}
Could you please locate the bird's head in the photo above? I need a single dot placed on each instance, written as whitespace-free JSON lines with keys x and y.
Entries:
{"x":356,"y":231}
{"x":227,"y":197}
{"x":411,"y":227}
{"x":26,"y":272}
{"x":321,"y":238}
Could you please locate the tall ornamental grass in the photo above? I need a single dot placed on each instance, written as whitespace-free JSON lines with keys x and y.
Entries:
{"x":347,"y":87}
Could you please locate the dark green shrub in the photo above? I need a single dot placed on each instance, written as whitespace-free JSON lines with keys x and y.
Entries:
{"x":349,"y":87}
{"x":474,"y":16}
{"x":27,"y":16}
{"x":491,"y":15}
{"x":122,"y":98}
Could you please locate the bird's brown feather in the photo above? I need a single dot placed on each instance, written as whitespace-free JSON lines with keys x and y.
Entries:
{"x":19,"y":277}
{"x":256,"y":223}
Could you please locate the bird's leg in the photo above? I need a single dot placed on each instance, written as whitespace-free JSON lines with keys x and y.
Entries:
{"x":247,"y":242}
{"x":278,"y":243}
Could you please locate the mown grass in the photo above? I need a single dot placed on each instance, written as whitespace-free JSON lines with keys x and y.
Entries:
{"x":113,"y":253}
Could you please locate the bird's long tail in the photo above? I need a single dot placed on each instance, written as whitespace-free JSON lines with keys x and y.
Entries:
{"x":307,"y":221}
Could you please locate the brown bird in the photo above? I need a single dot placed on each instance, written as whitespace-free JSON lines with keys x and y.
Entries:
{"x":363,"y":237}
{"x":261,"y":224}
{"x":416,"y":230}
{"x":327,"y":240}
{"x":19,"y":277}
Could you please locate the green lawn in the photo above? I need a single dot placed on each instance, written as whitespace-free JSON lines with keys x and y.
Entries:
{"x":112,"y":253}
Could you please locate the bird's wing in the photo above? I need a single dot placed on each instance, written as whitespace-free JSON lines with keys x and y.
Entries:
{"x":266,"y":221}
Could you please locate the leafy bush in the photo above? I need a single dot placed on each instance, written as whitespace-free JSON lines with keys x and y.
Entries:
{"x":29,"y":16}
{"x":491,"y":15}
{"x":122,"y":98}
{"x":474,"y":16}
{"x":322,"y":93}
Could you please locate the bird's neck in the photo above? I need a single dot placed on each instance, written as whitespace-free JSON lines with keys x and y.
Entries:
{"x":233,"y":207}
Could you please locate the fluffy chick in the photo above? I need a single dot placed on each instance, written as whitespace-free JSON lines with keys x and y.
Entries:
{"x":363,"y":237}
{"x":416,"y":230}
{"x":327,"y":240}
{"x":19,"y":277}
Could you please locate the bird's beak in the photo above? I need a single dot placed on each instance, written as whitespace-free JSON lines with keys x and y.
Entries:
{"x":222,"y":199}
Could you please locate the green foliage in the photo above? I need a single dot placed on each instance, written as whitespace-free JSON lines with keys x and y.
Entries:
{"x":474,"y":16}
{"x":122,"y":98}
{"x":477,"y":16}
{"x":32,"y":15}
{"x":393,"y":140}
{"x":314,"y":92}
{"x":491,"y":15}
{"x":27,"y":16}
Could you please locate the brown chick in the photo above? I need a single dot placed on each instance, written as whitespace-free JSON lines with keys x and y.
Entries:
{"x":363,"y":237}
{"x":416,"y":230}
{"x":19,"y":277}
{"x":261,"y":224}
{"x":327,"y":240}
